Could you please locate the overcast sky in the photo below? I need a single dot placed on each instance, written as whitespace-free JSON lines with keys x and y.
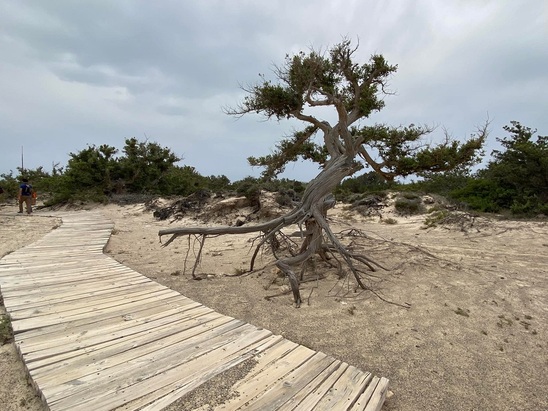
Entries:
{"x":79,"y":73}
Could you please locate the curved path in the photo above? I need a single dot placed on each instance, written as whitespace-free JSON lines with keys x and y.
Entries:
{"x":96,"y":335}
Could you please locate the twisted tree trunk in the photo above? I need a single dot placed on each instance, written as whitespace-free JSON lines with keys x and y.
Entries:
{"x":311,"y":212}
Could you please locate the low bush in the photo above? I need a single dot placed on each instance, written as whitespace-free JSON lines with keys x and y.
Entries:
{"x":406,"y":206}
{"x":5,"y":330}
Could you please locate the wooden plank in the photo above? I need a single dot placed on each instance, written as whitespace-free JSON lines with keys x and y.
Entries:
{"x":379,"y":395}
{"x":31,"y":323}
{"x":55,"y":245}
{"x":59,"y":263}
{"x":265,"y":359}
{"x":105,"y":349}
{"x":161,"y":398}
{"x":92,"y":276}
{"x":57,"y":274}
{"x":63,"y":273}
{"x":176,"y":306}
{"x":345,"y":391}
{"x":70,"y":339}
{"x":91,"y":302}
{"x":160,"y":355}
{"x":286,"y":388}
{"x":105,"y":290}
{"x":16,"y":303}
{"x":268,"y":377}
{"x":311,"y":392}
{"x":32,"y":259}
{"x":108,"y":396}
{"x":97,"y":320}
{"x":187,"y":377}
{"x":134,"y":347}
{"x":316,"y":395}
{"x":363,"y":400}
{"x":58,"y":270}
{"x":92,"y":242}
{"x":35,"y":258}
{"x":89,"y":335}
{"x":66,"y":289}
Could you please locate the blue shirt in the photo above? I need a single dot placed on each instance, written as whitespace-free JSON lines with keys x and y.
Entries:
{"x":26,"y":189}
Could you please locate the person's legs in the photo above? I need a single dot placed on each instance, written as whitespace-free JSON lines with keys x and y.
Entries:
{"x":28,"y":201}
{"x":21,"y":201}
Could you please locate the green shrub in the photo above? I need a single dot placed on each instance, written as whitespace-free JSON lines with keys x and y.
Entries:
{"x":482,"y":195}
{"x":442,"y":183}
{"x":530,"y":205}
{"x":406,"y":206}
{"x":284,"y":199}
{"x":250,"y":188}
{"x":5,"y":330}
{"x":410,"y":195}
{"x":436,"y":217}
{"x":367,"y":183}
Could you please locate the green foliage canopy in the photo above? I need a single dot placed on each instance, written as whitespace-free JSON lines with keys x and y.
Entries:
{"x":145,"y":165}
{"x":310,"y":82}
{"x":515,"y":179}
{"x":523,"y":166}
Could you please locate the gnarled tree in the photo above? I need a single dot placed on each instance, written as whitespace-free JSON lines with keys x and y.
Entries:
{"x":306,"y":85}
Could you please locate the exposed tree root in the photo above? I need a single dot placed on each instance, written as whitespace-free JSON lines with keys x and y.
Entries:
{"x":317,"y":239}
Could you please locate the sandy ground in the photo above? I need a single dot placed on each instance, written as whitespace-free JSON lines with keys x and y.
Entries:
{"x":474,"y":335}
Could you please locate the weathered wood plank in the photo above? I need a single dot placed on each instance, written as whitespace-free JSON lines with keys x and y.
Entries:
{"x":98,"y":320}
{"x":91,"y":302}
{"x":172,"y":392}
{"x":46,"y":270}
{"x":111,"y":329}
{"x":312,"y":393}
{"x":379,"y":394}
{"x":109,"y":396}
{"x":290,"y":385}
{"x":88,"y":278}
{"x":71,"y":338}
{"x":106,"y":351}
{"x":130,"y":361}
{"x":345,"y":391}
{"x":48,"y":292}
{"x":128,"y":286}
{"x":115,"y":307}
{"x":108,"y":348}
{"x":268,"y":377}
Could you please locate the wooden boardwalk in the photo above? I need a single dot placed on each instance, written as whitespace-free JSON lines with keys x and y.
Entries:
{"x":96,"y":335}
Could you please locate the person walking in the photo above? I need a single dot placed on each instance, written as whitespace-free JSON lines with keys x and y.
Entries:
{"x":25,"y":196}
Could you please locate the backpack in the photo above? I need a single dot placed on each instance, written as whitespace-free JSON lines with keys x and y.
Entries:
{"x":26,"y":189}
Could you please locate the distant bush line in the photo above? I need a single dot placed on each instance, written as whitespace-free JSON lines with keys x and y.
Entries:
{"x":515,"y":180}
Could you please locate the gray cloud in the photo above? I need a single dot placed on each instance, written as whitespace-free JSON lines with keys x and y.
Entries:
{"x":77,"y":73}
